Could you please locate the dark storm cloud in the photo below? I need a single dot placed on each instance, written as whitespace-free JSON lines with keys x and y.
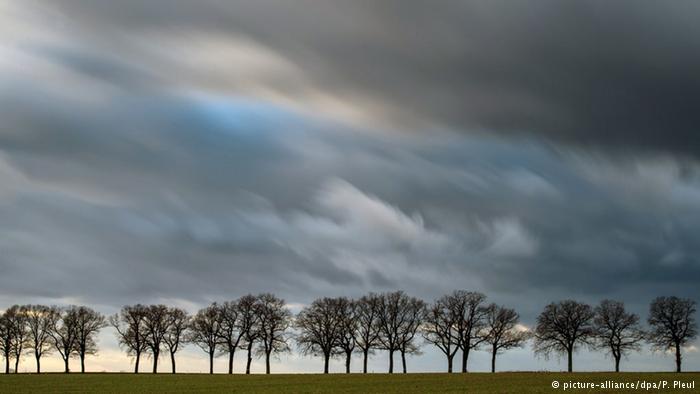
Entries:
{"x":195,"y":198}
{"x":604,"y":74}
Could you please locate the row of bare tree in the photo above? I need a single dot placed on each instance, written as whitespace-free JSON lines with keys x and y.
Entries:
{"x":464,"y":321}
{"x":39,"y":330}
{"x":395,"y":322}
{"x":565,"y":326}
{"x":262,"y":326}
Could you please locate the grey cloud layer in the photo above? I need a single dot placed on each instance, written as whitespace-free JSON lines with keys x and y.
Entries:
{"x":621,"y":74}
{"x":194,"y":199}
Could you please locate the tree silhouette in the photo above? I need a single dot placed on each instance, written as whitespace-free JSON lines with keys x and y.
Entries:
{"x":502,"y":332}
{"x":347,"y":334}
{"x":155,"y":326}
{"x":64,"y":334}
{"x":415,"y":313}
{"x":672,"y":324}
{"x":275,"y":319}
{"x":230,"y":334}
{"x":319,"y":325}
{"x":399,"y":318}
{"x":174,"y":338}
{"x":617,"y":331}
{"x":205,"y":331}
{"x":469,"y":307}
{"x":88,"y":324}
{"x":7,"y":335}
{"x":130,"y":324}
{"x":18,"y":321}
{"x":367,"y":311}
{"x":40,"y":319}
{"x":440,"y":327}
{"x":562,"y":327}
{"x":249,"y":325}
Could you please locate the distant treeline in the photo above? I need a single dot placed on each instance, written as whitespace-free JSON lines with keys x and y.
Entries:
{"x":263,"y":326}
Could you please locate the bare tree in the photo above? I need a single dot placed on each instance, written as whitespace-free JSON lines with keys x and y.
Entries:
{"x":7,"y":340}
{"x":249,"y":325}
{"x":155,"y":325}
{"x":617,"y":330}
{"x":672,"y":324}
{"x":230,"y":335}
{"x":469,"y":307}
{"x":205,"y":331}
{"x":389,"y":323}
{"x":40,"y":319}
{"x":130,"y":324}
{"x":64,"y":334}
{"x":88,"y":324}
{"x":318,"y":325}
{"x":18,"y":321}
{"x":562,"y":327}
{"x":502,"y":332}
{"x":275,"y":319}
{"x":347,"y":334}
{"x":415,"y":313}
{"x":440,"y":327}
{"x":367,"y":311}
{"x":174,"y":338}
{"x":399,"y":318}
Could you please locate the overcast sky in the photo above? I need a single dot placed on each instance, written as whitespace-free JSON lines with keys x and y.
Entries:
{"x":187,"y":152}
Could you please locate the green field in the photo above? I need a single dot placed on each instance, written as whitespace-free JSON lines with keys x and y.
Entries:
{"x":526,"y":382}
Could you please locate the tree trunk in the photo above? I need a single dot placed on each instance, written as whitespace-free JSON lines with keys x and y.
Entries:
{"x":230,"y":361}
{"x":7,"y":364}
{"x":250,"y":359}
{"x":391,"y":361}
{"x":16,"y":364}
{"x":403,"y":360}
{"x":136,"y":363}
{"x":326,"y":357}
{"x":156,"y":354}
{"x":67,"y":367}
{"x":678,"y":357}
{"x":267,"y":362}
{"x":494,"y":351}
{"x":348,"y":355}
{"x":617,"y":363}
{"x":172,"y":360}
{"x":570,"y":359}
{"x":38,"y":363}
{"x":82,"y":363}
{"x":365,"y":355}
{"x":450,"y":357}
{"x":465,"y":358}
{"x":211,"y":362}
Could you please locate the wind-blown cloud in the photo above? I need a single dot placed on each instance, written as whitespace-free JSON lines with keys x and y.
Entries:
{"x":619,"y":75}
{"x":222,"y":192}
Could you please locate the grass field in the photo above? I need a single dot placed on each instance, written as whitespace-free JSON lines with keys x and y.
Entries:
{"x":526,"y":382}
